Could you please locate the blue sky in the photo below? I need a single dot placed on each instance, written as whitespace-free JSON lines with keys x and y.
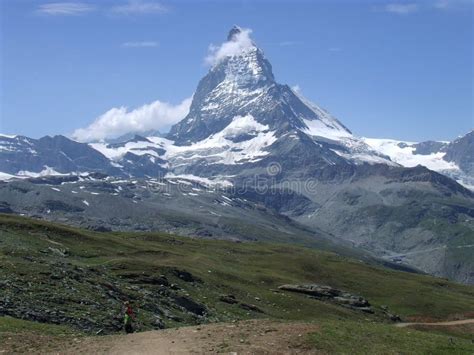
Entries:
{"x":388,"y":69}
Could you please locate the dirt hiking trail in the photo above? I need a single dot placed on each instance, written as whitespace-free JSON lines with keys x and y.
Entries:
{"x":245,"y":337}
{"x":454,"y":322}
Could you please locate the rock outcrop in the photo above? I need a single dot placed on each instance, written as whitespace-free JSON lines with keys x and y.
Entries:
{"x":331,"y":294}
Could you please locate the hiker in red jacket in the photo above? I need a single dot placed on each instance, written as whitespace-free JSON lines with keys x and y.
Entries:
{"x":128,"y":317}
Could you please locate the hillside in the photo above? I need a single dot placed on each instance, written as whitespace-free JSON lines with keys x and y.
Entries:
{"x":408,"y":217}
{"x":76,"y":278}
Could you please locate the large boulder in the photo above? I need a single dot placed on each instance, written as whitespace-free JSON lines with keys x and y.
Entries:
{"x":331,"y":294}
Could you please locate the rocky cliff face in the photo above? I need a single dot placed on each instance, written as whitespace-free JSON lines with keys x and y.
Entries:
{"x":461,"y":152}
{"x":48,"y":155}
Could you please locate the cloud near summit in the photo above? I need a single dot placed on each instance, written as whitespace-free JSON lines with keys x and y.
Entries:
{"x":157,"y":115}
{"x":118,"y":121}
{"x":240,"y":42}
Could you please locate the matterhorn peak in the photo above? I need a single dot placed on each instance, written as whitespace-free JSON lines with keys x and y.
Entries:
{"x":241,"y":84}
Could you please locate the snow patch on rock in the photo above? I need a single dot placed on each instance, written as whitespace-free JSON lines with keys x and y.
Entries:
{"x":220,"y":148}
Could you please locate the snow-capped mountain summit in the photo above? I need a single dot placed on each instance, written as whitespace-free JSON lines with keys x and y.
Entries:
{"x":237,"y":83}
{"x":240,"y":90}
{"x":240,"y":83}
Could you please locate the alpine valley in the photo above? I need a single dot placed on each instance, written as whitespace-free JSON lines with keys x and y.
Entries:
{"x":255,"y":160}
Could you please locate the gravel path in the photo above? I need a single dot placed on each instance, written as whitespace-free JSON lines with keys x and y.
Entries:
{"x":245,"y":337}
{"x":454,"y":322}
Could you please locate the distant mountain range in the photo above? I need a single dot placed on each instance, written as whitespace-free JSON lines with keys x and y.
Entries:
{"x":255,"y":148}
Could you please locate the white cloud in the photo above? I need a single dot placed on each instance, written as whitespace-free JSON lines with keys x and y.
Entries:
{"x":65,"y":8}
{"x":139,"y":7}
{"x":118,"y":121}
{"x":239,"y":43}
{"x":140,"y":44}
{"x":401,"y":8}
